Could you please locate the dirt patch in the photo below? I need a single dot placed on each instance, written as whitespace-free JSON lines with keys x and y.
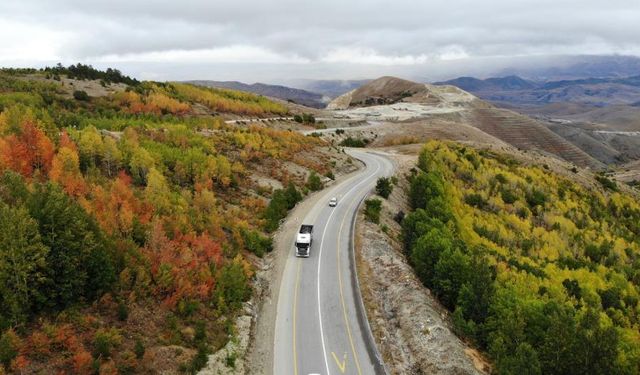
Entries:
{"x":413,"y":331}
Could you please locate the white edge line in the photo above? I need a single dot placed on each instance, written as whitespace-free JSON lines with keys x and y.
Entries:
{"x":324,"y":350}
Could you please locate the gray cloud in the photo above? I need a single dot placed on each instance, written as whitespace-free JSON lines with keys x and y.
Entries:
{"x":309,"y":38}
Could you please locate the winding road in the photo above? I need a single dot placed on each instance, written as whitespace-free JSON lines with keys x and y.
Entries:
{"x":320,"y":324}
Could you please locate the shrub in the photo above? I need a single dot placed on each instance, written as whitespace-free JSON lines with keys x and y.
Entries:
{"x":123,"y":311}
{"x":9,"y":344}
{"x":384,"y":187}
{"x":105,"y":341}
{"x":475,"y":200}
{"x":354,"y":142}
{"x":313,"y":182}
{"x":399,"y":217}
{"x":508,"y":196}
{"x":372,"y":210}
{"x":339,"y":131}
{"x":536,"y":198}
{"x":139,"y":348}
{"x":81,"y":95}
{"x":607,"y":183}
{"x":257,"y":243}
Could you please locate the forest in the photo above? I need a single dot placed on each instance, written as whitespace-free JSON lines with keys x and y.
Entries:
{"x":540,"y":272}
{"x":128,"y":221}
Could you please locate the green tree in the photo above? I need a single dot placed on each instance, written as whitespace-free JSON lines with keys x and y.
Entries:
{"x":426,"y":252}
{"x":384,"y":187}
{"x":425,"y":187}
{"x":452,"y":270}
{"x":22,"y":263}
{"x":523,"y":362}
{"x":78,"y":262}
{"x":232,"y":287}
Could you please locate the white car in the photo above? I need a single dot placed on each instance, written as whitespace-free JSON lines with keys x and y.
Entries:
{"x":333,"y":202}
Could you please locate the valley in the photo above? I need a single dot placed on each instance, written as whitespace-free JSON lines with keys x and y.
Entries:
{"x":194,"y":194}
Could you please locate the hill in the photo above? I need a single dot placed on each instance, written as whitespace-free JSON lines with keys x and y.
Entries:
{"x":131,"y":222}
{"x":394,"y":99}
{"x":536,"y":269}
{"x":306,"y":98}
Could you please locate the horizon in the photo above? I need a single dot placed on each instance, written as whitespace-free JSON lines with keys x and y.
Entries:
{"x":152,"y":40}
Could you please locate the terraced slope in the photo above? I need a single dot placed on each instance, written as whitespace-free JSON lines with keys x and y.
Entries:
{"x":526,"y":133}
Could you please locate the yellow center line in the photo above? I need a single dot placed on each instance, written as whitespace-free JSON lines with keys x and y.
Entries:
{"x":295,"y":305}
{"x":344,"y":306}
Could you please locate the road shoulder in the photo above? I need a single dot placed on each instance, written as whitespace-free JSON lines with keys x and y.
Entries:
{"x":259,"y":357}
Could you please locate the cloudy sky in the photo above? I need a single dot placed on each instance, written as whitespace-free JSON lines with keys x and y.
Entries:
{"x":275,"y":40}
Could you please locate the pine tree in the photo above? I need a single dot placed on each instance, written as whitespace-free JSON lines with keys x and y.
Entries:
{"x":22,"y":262}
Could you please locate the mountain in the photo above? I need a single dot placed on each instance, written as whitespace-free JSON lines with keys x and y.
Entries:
{"x":574,"y":67}
{"x":508,"y":83}
{"x":307,"y":98}
{"x":330,"y":88}
{"x":516,"y":91}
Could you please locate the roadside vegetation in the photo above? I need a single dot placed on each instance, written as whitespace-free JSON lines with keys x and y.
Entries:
{"x":538,"y":271}
{"x":128,"y":223}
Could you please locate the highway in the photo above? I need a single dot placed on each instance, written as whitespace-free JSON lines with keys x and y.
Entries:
{"x":319,"y":329}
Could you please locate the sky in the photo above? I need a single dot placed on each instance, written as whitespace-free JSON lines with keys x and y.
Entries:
{"x":279,"y":40}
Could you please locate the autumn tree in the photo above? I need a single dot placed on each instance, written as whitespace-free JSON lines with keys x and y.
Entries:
{"x":66,"y":171}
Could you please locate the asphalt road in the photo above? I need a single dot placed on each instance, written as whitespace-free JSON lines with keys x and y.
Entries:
{"x":317,"y":326}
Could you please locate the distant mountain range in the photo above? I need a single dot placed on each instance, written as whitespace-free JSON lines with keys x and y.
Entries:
{"x":514,"y":90}
{"x":299,"y":96}
{"x":572,"y":67}
{"x":330,"y":88}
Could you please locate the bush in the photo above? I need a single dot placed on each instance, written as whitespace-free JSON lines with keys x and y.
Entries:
{"x":339,"y":131}
{"x":508,"y":196}
{"x":123,"y":311}
{"x":536,"y":198}
{"x":105,"y":341}
{"x":313,"y":182}
{"x":9,"y":343}
{"x":354,"y":142}
{"x":384,"y":187}
{"x":607,"y":183}
{"x":139,"y":349}
{"x":200,"y":359}
{"x":372,"y":210}
{"x":257,"y":243}
{"x":81,"y":95}
{"x":475,"y":200}
{"x":399,"y":217}
{"x":308,"y":118}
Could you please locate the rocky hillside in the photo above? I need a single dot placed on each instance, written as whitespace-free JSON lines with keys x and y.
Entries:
{"x":394,"y":99}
